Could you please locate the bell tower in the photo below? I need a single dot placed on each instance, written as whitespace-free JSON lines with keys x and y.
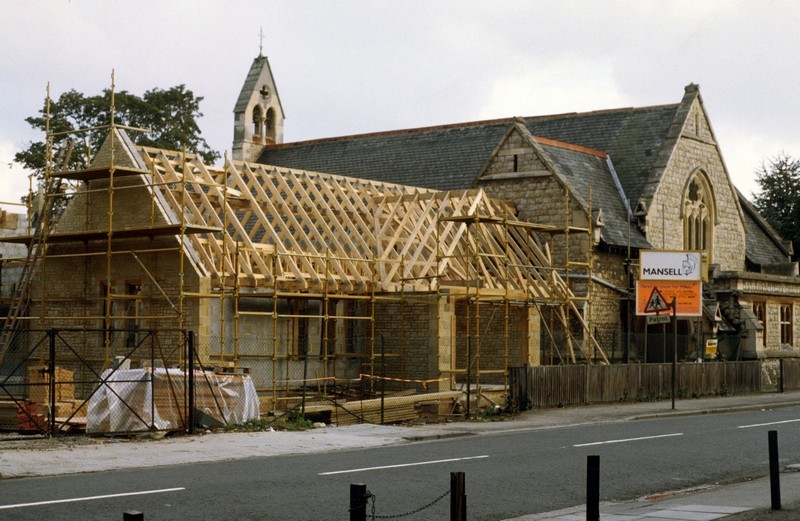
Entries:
{"x":258,"y":115}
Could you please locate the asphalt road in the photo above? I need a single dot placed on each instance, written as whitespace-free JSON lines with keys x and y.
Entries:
{"x":508,"y":474}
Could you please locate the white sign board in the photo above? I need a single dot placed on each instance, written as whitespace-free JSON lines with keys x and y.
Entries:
{"x":670,"y":265}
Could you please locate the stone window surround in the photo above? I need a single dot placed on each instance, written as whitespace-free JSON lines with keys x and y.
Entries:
{"x":786,"y":323}
{"x":700,"y":207}
{"x":760,"y":311}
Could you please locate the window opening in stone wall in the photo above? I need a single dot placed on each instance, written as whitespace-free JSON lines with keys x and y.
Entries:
{"x":698,"y":215}
{"x":258,"y":120}
{"x":269,"y":125}
{"x":786,"y":324}
{"x":516,"y":163}
{"x":760,"y":310}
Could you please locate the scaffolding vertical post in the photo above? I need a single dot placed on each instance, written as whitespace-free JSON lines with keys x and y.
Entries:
{"x":274,"y":332}
{"x":44,"y":217}
{"x":587,"y":303}
{"x":568,"y":333}
{"x":222,"y":273}
{"x":402,"y":321}
{"x":110,"y":232}
{"x":325,"y":311}
{"x":506,"y":284}
{"x":236,"y":295}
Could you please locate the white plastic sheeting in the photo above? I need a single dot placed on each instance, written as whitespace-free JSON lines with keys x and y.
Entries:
{"x":135,"y":400}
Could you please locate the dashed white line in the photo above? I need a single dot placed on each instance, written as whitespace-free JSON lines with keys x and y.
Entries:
{"x":766,"y":424}
{"x":628,"y":439}
{"x":90,"y":498}
{"x":402,"y":465}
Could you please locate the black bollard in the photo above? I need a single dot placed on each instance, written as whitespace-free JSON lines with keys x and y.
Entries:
{"x":358,"y":502}
{"x":593,"y":488}
{"x":458,"y":497}
{"x":774,"y":476}
{"x":132,"y":515}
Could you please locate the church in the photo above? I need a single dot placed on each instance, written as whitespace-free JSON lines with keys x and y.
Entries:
{"x":646,"y":178}
{"x":424,"y":259}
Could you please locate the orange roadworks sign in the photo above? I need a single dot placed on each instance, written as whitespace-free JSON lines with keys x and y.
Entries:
{"x":652,"y":295}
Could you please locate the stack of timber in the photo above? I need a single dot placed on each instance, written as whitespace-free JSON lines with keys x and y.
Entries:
{"x":67,"y":407}
{"x":396,"y":408}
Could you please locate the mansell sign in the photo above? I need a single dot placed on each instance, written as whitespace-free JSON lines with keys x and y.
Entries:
{"x":671,"y":265}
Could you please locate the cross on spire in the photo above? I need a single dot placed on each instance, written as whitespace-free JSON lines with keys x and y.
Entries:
{"x":261,"y":42}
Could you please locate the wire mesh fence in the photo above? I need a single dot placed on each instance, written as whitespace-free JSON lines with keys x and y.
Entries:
{"x":360,"y":379}
{"x":95,"y":380}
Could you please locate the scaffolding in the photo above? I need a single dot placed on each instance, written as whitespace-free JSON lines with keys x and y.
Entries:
{"x":250,"y":240}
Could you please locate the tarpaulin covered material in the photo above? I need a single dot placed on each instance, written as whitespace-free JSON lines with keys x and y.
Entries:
{"x":136,"y":400}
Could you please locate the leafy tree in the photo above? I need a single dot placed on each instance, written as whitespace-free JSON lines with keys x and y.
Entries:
{"x":171,"y":116}
{"x":779,"y":199}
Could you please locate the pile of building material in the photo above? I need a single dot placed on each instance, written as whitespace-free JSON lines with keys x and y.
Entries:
{"x":396,"y":408}
{"x":136,"y":400}
{"x":32,"y":414}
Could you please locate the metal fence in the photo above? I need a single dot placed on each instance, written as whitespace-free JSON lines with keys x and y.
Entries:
{"x":360,"y":379}
{"x":551,"y":386}
{"x":56,"y":381}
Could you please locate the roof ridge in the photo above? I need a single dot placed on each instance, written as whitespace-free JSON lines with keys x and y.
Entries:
{"x":465,"y":124}
{"x":570,"y":146}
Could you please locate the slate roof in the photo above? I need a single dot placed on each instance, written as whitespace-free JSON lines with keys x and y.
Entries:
{"x":638,"y":142}
{"x":442,"y":158}
{"x":762,"y":244}
{"x":585,"y":171}
{"x":449,"y":157}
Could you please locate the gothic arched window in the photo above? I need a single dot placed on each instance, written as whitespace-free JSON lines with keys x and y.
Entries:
{"x":698,"y":215}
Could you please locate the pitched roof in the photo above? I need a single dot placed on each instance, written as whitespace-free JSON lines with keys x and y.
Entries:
{"x":763,"y":246}
{"x":587,"y":173}
{"x":251,"y":82}
{"x":449,"y":157}
{"x":443,"y":158}
{"x":638,"y":142}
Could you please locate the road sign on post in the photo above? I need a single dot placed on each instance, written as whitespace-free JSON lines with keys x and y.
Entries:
{"x":656,"y":302}
{"x":688,"y":296}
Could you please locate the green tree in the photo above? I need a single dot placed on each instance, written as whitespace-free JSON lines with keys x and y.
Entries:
{"x":171,"y":116}
{"x":779,"y":199}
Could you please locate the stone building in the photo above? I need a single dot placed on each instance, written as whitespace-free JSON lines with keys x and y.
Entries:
{"x":636,"y":178}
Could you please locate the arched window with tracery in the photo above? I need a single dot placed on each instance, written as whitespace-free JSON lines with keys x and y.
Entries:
{"x":698,"y":215}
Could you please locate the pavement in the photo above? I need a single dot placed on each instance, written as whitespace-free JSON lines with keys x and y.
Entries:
{"x":739,"y":501}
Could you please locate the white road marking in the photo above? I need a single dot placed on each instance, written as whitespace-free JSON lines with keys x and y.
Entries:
{"x":90,"y":498}
{"x":765,"y":424}
{"x":401,"y":465}
{"x":628,"y":439}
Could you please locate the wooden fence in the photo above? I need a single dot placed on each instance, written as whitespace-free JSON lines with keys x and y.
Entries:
{"x":552,"y":386}
{"x":790,"y":374}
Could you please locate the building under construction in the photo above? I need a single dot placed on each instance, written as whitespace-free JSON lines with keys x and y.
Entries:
{"x":303,"y":280}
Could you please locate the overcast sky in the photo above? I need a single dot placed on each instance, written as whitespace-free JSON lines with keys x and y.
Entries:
{"x":357,"y":66}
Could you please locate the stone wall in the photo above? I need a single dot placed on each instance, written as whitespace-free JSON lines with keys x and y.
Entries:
{"x":697,"y":151}
{"x":485,"y":325}
{"x":407,"y":332}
